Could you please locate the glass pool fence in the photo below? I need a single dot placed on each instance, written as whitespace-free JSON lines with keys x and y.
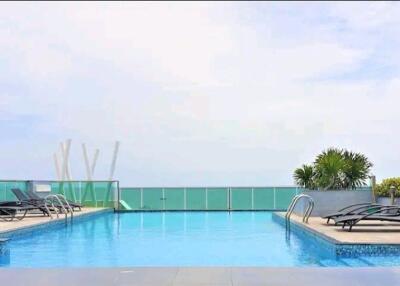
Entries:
{"x":88,"y":193}
{"x":207,"y":198}
{"x":109,"y":194}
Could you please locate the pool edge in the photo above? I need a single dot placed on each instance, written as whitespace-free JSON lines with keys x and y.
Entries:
{"x":10,"y":234}
{"x":340,"y":249}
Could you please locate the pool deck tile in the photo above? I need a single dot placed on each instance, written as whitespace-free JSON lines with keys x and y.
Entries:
{"x":35,"y":220}
{"x":194,"y":276}
{"x":220,"y":276}
{"x":362,"y":233}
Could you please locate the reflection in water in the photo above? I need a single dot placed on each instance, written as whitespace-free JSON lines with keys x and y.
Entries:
{"x":4,"y":254}
{"x":175,"y":239}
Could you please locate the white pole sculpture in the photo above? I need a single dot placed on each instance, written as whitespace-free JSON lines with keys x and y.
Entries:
{"x":114,"y":160}
{"x":65,"y":147}
{"x":69,"y":174}
{"x":89,"y":168}
{"x":86,"y":158}
{"x":96,"y":155}
{"x":57,"y":166}
{"x":63,"y":166}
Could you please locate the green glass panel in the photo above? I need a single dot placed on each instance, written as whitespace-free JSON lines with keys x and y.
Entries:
{"x":5,"y":189}
{"x":71,"y":190}
{"x":283,"y":197}
{"x":241,"y":198}
{"x":217,"y":198}
{"x":263,"y":198}
{"x":98,"y":193}
{"x":55,"y":187}
{"x":2,"y":191}
{"x":68,"y":189}
{"x":174,"y":198}
{"x":87,"y":194}
{"x":104,"y":193}
{"x":153,"y":199}
{"x":132,"y":197}
{"x":195,"y":198}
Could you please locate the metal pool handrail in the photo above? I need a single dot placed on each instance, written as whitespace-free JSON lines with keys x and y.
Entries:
{"x":51,"y":198}
{"x":46,"y":200}
{"x":70,"y":209}
{"x":292,"y":205}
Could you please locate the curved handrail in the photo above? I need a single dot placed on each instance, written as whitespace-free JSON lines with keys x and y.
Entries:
{"x":61,"y":204}
{"x":308,"y":211}
{"x":70,"y":209}
{"x":49,"y":198}
{"x":293,"y":203}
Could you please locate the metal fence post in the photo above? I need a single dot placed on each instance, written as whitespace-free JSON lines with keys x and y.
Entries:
{"x":141,"y":198}
{"x":163,"y":199}
{"x":229,"y":198}
{"x":184,"y":199}
{"x":206,"y":198}
{"x":252,"y":198}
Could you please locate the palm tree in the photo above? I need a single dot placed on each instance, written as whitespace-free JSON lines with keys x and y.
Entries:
{"x":334,"y":169}
{"x":304,"y":176}
{"x":356,"y":170}
{"x":328,"y":168}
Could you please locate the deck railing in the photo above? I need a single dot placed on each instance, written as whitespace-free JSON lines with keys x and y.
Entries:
{"x":207,"y":198}
{"x":109,"y":194}
{"x":88,"y":193}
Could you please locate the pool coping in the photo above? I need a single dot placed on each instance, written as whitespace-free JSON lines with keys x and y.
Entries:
{"x":338,"y":248}
{"x":201,"y":276}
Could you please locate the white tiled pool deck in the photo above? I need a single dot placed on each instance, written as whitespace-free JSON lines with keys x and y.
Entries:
{"x":195,"y":276}
{"x":35,"y":220}
{"x":364,"y":232}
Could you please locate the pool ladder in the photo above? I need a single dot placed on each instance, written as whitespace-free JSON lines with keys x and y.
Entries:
{"x":65,"y":207}
{"x":307,"y":213}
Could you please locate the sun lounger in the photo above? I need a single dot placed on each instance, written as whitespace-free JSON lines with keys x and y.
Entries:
{"x":24,"y":199}
{"x":351,"y":209}
{"x":9,"y":212}
{"x":389,"y":213}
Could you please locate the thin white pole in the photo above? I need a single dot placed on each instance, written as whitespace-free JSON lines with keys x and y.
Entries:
{"x":65,"y":147}
{"x":96,"y":155}
{"x":57,"y":166}
{"x":69,"y":174}
{"x":64,"y":163}
{"x":114,"y":160}
{"x":86,"y":159}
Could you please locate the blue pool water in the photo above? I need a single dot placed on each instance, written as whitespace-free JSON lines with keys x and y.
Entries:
{"x":174,"y":239}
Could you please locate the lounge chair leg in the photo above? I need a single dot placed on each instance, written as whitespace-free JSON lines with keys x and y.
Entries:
{"x":23,"y":216}
{"x":351,"y":224}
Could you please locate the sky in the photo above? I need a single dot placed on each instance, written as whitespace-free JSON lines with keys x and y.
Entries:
{"x":199,"y":94}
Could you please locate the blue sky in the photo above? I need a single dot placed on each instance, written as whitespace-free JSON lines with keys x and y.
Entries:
{"x":198,"y":93}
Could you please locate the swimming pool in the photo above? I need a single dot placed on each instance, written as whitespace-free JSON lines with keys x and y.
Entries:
{"x":175,"y":239}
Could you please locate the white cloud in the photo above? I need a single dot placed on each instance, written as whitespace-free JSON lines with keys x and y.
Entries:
{"x":198,"y":93}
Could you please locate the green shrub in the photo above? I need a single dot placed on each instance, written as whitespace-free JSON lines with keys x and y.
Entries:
{"x":382,"y":189}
